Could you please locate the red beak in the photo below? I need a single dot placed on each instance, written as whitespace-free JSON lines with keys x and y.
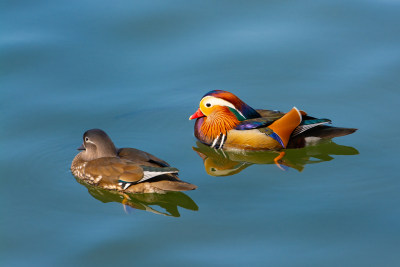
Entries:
{"x":197,"y":114}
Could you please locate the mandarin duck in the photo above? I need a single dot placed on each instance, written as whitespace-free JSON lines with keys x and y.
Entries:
{"x":126,"y":169}
{"x":225,"y":121}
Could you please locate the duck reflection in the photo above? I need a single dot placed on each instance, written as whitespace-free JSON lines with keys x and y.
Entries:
{"x":218,"y":162}
{"x":162,"y":204}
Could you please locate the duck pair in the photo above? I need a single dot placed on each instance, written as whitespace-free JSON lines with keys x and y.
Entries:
{"x":223,"y":121}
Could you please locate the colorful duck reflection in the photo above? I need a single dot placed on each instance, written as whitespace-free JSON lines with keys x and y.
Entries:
{"x":218,"y":162}
{"x":162,"y":204}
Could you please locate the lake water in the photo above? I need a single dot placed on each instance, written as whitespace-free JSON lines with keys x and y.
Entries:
{"x":137,"y":69}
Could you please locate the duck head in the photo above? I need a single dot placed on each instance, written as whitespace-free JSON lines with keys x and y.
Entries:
{"x":220,"y":111}
{"x":215,"y":100}
{"x":97,"y":144}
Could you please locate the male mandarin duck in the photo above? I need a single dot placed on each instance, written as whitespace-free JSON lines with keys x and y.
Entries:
{"x":126,"y":169}
{"x":225,"y":121}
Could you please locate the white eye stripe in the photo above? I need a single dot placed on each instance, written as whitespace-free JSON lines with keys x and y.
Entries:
{"x":219,"y":102}
{"x":88,"y":141}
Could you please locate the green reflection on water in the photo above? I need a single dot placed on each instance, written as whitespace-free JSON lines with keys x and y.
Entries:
{"x":163,"y":204}
{"x":226,"y":163}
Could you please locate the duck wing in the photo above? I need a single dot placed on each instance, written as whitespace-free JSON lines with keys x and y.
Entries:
{"x":111,"y":171}
{"x":254,"y":123}
{"x":266,"y":119}
{"x":269,"y":116}
{"x":139,"y":156}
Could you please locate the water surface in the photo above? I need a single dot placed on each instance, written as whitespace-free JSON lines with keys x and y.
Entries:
{"x":138,"y":70}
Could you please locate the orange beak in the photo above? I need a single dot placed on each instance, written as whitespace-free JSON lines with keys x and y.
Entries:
{"x":197,"y":114}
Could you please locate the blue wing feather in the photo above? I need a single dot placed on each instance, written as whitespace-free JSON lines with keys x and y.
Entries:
{"x":248,"y":125}
{"x":254,"y":123}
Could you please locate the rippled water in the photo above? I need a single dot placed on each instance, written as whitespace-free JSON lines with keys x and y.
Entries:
{"x":138,"y":70}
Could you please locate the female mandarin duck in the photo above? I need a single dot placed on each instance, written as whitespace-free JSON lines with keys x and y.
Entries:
{"x":126,"y":169}
{"x":225,"y":121}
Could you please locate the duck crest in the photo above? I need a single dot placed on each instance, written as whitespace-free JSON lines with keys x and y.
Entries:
{"x":245,"y":109}
{"x":219,"y":122}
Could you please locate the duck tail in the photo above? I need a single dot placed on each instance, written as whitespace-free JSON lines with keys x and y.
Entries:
{"x":328,"y":132}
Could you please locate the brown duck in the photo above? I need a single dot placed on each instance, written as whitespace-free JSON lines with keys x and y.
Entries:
{"x":126,"y":169}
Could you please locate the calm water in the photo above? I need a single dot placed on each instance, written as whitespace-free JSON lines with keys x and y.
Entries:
{"x":137,"y":69}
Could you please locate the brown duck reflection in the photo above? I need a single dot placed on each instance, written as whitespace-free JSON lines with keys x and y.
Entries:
{"x":162,"y":204}
{"x":218,"y":162}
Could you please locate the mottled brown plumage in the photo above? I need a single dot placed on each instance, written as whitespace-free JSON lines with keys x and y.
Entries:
{"x":126,"y":169}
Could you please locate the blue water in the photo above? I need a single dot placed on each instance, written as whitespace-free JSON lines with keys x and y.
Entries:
{"x":137,"y":69}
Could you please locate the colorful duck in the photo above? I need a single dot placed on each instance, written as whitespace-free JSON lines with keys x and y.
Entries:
{"x":126,"y":169}
{"x":225,"y":121}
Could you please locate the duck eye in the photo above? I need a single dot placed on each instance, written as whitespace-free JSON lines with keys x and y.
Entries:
{"x":86,"y":139}
{"x":208,"y":105}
